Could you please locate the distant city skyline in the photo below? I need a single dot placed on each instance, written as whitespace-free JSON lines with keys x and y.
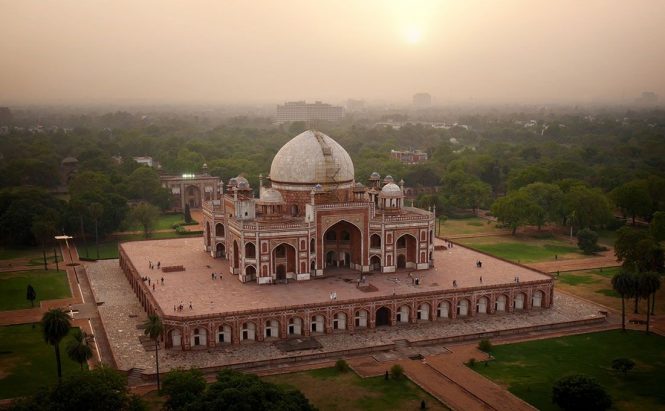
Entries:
{"x":269,"y":52}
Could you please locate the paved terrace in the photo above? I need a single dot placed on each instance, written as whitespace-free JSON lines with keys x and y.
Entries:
{"x":210,"y":296}
{"x":121,"y":313}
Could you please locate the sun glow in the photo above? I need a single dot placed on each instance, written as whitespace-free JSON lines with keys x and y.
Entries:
{"x":413,"y":34}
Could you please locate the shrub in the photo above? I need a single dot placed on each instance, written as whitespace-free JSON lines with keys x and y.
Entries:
{"x":485,"y":345}
{"x":341,"y":365}
{"x":472,"y":362}
{"x":397,"y":371}
{"x":580,"y":392}
{"x":623,"y":365}
{"x":587,"y":241}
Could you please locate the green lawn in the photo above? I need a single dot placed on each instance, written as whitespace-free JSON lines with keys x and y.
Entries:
{"x":108,"y":249}
{"x":524,"y":248}
{"x":165,"y":222}
{"x":328,"y":389}
{"x":49,"y":285}
{"x":473,"y":225}
{"x":27,"y":362}
{"x":8,"y":253}
{"x":529,"y":369}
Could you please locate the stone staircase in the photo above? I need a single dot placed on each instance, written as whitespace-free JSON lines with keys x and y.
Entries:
{"x":134,"y":377}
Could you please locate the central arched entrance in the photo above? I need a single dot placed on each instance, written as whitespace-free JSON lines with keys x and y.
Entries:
{"x":193,"y":197}
{"x":406,"y":250}
{"x":383,"y":316}
{"x":284,"y":260}
{"x":342,"y":246}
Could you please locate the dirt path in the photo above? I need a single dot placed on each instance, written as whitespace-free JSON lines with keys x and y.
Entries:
{"x":604,"y":259}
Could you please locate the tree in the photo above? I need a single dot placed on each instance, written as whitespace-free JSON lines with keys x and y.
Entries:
{"x":633,"y":199}
{"x":657,"y":226}
{"x":624,"y":284}
{"x":183,"y":387}
{"x":638,"y":250}
{"x":143,"y":184}
{"x":590,"y":207}
{"x":96,"y":211}
{"x":154,"y":329}
{"x":78,"y":348}
{"x":580,"y":392}
{"x":55,"y":326}
{"x":341,"y":365}
{"x":587,"y":241}
{"x":100,"y":389}
{"x":397,"y":371}
{"x":234,"y":391}
{"x":514,"y":210}
{"x":549,"y":198}
{"x":146,"y":215}
{"x":485,"y":345}
{"x":188,"y":214}
{"x":31,"y":295}
{"x":648,"y":284}
{"x":623,"y":365}
{"x":44,"y":229}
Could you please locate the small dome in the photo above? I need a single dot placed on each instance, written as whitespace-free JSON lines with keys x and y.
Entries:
{"x":69,"y":161}
{"x":391,"y":190}
{"x":388,"y":179}
{"x":375,"y":176}
{"x":271,"y":195}
{"x":233,"y":181}
{"x":242,"y":182}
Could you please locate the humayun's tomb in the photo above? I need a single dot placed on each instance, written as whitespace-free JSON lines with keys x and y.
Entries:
{"x":317,"y":252}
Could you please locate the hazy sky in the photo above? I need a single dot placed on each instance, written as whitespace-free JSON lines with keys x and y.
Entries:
{"x":268,"y":51}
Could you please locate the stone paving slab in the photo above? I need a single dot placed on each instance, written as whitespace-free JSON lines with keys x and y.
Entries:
{"x":209,"y":296}
{"x":121,"y":313}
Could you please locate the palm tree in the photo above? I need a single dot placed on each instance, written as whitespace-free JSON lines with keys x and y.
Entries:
{"x":653,"y":297}
{"x":55,"y":326}
{"x":154,"y":328}
{"x":624,"y":284}
{"x":78,"y":348}
{"x":648,"y":285}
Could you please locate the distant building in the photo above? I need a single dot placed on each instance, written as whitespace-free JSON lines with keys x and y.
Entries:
{"x":355,"y":105}
{"x":302,"y":111}
{"x":648,"y":97}
{"x":422,"y":100}
{"x":409,"y":156}
{"x":144,"y":160}
{"x":6,"y":117}
{"x":191,"y":189}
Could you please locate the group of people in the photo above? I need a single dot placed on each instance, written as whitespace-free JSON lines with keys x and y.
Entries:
{"x":214,"y":275}
{"x":479,"y":264}
{"x":150,"y":282}
{"x":333,"y":296}
{"x":449,"y":244}
{"x":152,"y":265}
{"x":181,"y":307}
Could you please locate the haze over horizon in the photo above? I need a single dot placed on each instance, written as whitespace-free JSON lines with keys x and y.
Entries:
{"x":513,"y":51}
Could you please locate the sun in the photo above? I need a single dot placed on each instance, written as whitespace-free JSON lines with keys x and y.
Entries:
{"x":413,"y":34}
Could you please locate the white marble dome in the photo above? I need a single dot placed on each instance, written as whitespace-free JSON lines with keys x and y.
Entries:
{"x":271,"y":195}
{"x":311,"y":158}
{"x":391,"y":190}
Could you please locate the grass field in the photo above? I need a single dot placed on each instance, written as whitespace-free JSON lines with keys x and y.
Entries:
{"x":529,"y":369}
{"x":596,"y":285}
{"x":27,"y":362}
{"x":328,"y":390}
{"x":49,"y":285}
{"x":524,"y":248}
{"x":461,"y":226}
{"x":164,"y":222}
{"x":109,"y":249}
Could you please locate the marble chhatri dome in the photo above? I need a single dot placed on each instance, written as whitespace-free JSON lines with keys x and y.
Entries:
{"x":311,"y":158}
